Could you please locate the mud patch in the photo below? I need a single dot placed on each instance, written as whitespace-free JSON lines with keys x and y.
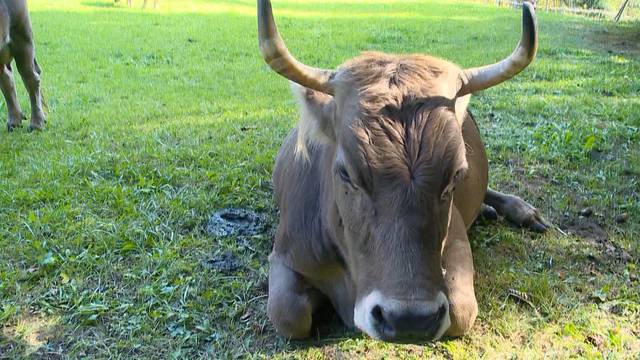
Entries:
{"x":591,"y":230}
{"x":586,"y":228}
{"x":235,"y":222}
{"x":242,"y":225}
{"x":617,"y":39}
{"x":29,"y":334}
{"x":225,"y":263}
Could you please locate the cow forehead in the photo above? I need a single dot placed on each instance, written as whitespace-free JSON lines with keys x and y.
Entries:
{"x":417,"y":149}
{"x":385,"y":79}
{"x":383,"y":131}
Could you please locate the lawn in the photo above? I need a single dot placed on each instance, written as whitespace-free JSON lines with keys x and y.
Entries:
{"x":159,"y":118}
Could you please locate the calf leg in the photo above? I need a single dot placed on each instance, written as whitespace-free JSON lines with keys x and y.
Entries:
{"x":30,"y":72}
{"x":14,"y":117}
{"x":516,"y":210}
{"x":291,"y":301}
{"x":457,"y":260}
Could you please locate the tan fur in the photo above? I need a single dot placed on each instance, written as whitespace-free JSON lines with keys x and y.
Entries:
{"x":5,"y":23}
{"x":17,"y":42}
{"x":376,"y":188}
{"x":393,"y":122}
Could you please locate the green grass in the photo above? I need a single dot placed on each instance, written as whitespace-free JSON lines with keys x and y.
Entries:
{"x":158,"y":118}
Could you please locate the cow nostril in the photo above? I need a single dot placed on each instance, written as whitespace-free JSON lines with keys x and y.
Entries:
{"x":376,"y":312}
{"x":418,"y":320}
{"x":381,"y":323}
{"x":441,"y":313}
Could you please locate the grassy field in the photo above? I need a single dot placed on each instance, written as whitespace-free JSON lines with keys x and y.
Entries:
{"x":159,"y":118}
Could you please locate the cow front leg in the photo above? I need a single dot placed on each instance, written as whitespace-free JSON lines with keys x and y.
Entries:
{"x":291,"y":301}
{"x":14,"y":113}
{"x":457,"y":261}
{"x":30,"y":73}
{"x":515,"y":210}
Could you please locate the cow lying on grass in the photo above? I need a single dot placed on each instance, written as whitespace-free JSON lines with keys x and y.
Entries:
{"x":144,"y":4}
{"x":16,"y":42}
{"x":377,"y":186}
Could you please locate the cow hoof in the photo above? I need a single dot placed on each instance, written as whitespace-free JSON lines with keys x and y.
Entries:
{"x":11,"y":127}
{"x":522,"y":214}
{"x":488,"y":212}
{"x":35,"y":127}
{"x":37,"y":121}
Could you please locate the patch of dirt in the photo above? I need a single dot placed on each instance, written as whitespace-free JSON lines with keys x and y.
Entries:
{"x":242,"y":224}
{"x":590,"y":229}
{"x":617,"y":38}
{"x":30,"y":332}
{"x":226,"y":263}
{"x":235,"y":222}
{"x":587,"y":228}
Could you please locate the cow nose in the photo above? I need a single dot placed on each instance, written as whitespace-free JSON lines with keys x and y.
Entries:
{"x":410,"y":323}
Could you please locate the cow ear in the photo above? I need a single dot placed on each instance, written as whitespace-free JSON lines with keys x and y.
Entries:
{"x":317,"y":118}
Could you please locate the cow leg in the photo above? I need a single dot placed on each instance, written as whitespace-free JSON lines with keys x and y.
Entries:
{"x":457,"y":261}
{"x":14,"y":117}
{"x":291,"y":301}
{"x":30,"y":73}
{"x":515,"y":210}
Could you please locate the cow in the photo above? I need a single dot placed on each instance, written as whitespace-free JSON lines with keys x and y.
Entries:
{"x":144,"y":4}
{"x":376,"y":188}
{"x":16,"y":42}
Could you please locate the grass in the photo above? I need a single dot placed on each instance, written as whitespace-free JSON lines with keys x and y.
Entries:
{"x":158,"y":118}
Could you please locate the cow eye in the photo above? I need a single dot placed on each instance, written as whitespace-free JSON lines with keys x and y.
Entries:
{"x":344,"y":175}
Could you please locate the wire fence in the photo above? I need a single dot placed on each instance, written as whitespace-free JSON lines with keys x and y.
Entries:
{"x":606,"y":9}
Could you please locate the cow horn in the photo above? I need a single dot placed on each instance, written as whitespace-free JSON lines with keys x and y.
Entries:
{"x":275,"y":53}
{"x":484,"y":77}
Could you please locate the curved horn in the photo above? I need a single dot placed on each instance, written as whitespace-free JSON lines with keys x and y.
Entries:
{"x":484,"y":77}
{"x":275,"y":53}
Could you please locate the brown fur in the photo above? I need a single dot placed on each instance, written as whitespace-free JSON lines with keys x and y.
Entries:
{"x":377,"y":186}
{"x":16,"y":40}
{"x":395,"y":126}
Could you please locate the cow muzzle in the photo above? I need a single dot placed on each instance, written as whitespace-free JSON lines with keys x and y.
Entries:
{"x":390,"y":319}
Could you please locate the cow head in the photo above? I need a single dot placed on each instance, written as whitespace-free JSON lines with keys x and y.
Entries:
{"x":394,"y":126}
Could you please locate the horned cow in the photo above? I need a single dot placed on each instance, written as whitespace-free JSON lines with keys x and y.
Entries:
{"x":377,"y":186}
{"x":16,"y":41}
